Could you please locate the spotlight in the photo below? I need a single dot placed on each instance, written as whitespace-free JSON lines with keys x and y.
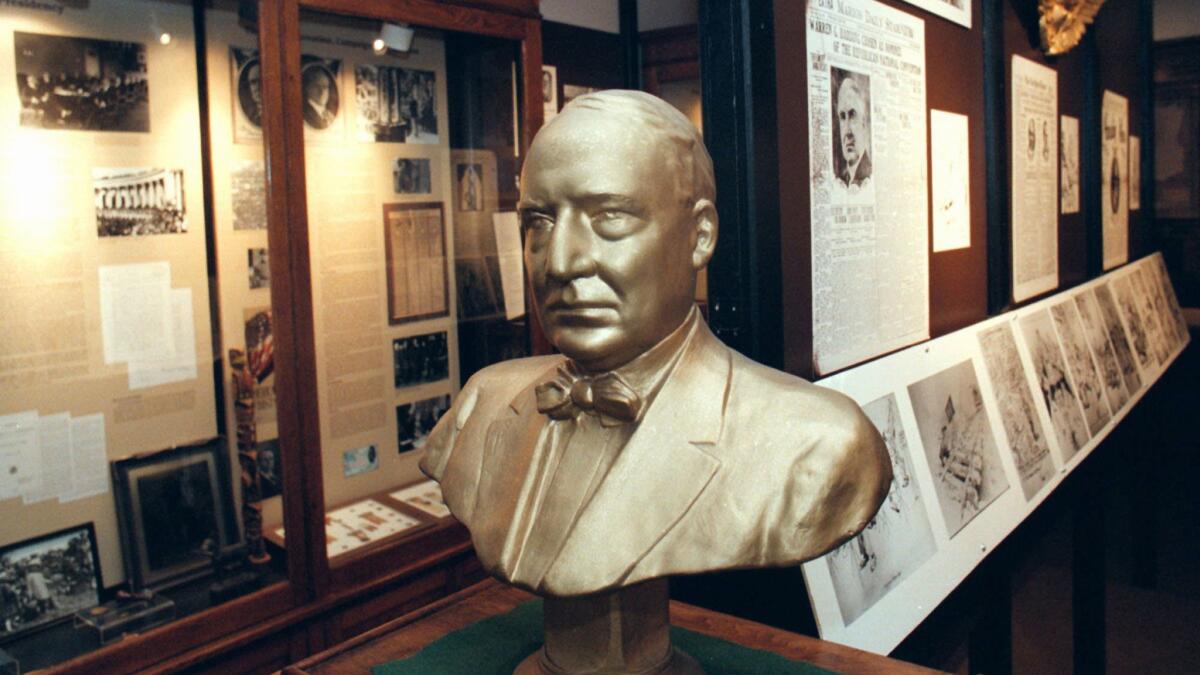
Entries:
{"x":395,"y":36}
{"x":164,"y":39}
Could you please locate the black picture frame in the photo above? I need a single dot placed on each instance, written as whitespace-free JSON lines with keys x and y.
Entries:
{"x":70,"y":560}
{"x":174,"y":510}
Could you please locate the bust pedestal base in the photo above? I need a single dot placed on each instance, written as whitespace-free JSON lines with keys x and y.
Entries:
{"x":626,"y":631}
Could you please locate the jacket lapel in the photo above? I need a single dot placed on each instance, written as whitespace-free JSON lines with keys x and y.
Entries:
{"x":509,"y":452}
{"x":659,"y":474}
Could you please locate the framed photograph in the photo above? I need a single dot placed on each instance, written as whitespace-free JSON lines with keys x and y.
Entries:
{"x":320,"y":89}
{"x":415,"y":244}
{"x":411,"y":177}
{"x":396,"y":105}
{"x":66,"y":82}
{"x":470,"y":186}
{"x":247,"y":94}
{"x":46,"y":579}
{"x":420,"y":358}
{"x":174,"y":509}
{"x":248,"y":180}
{"x":258,"y":268}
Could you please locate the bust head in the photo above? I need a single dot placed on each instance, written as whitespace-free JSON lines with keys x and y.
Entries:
{"x":617,"y":209}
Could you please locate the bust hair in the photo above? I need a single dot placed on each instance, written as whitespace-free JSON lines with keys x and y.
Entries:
{"x":673,"y":128}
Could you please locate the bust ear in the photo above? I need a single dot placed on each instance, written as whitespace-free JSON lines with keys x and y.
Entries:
{"x":704,"y":216}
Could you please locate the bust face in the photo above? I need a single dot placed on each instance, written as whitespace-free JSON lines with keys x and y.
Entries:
{"x":610,"y":241}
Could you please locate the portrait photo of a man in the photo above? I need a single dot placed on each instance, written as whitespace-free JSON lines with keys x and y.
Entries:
{"x":319,"y":85}
{"x":851,"y":127}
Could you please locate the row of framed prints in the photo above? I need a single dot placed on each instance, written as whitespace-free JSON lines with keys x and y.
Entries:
{"x":981,"y":426}
{"x":391,"y":513}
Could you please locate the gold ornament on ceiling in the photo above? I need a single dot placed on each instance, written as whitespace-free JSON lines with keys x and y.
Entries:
{"x":1063,"y":22}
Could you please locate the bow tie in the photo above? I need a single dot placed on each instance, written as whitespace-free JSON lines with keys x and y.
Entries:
{"x":570,"y":393}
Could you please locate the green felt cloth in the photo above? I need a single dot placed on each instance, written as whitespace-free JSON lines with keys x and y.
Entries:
{"x":498,"y":644}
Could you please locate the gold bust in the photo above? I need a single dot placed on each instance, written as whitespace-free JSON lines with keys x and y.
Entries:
{"x":647,"y":448}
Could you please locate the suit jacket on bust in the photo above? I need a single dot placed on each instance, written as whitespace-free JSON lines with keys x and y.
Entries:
{"x":733,"y":465}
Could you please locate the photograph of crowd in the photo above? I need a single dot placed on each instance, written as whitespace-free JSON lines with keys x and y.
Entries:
{"x":47,"y":578}
{"x":132,"y":202}
{"x":420,"y":358}
{"x":248,"y":180}
{"x":396,"y":105}
{"x":79,"y":83}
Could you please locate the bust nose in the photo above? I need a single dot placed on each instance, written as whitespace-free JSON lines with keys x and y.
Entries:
{"x":572,"y":247}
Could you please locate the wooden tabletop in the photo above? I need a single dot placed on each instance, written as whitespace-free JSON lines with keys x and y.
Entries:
{"x":409,"y":634}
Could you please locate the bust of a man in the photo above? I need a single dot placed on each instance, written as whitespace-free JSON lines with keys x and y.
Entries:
{"x":647,"y":448}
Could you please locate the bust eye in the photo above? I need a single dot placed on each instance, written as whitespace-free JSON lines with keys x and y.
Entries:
{"x":534,"y":222}
{"x":614,"y":223}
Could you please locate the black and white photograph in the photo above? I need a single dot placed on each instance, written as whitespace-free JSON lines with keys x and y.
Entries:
{"x":420,"y":358}
{"x":175,"y":508}
{"x":79,"y":83}
{"x":959,"y":443}
{"x":1088,"y":387}
{"x":415,"y":420}
{"x":248,"y":181}
{"x":479,"y":291}
{"x":1058,"y":392}
{"x":1116,"y":335}
{"x":469,"y":179}
{"x":320,"y":91}
{"x":1102,"y":351}
{"x":851,"y":101}
{"x":247,"y":94}
{"x":897,"y":540}
{"x":258,"y":268}
{"x":1018,"y":414}
{"x":132,"y":202}
{"x":411,"y":177}
{"x":1127,"y":303}
{"x":1152,"y":309}
{"x":270,"y":482}
{"x":46,"y":579}
{"x":396,"y":105}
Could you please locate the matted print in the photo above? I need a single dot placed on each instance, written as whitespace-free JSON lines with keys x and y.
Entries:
{"x":1129,"y":306}
{"x":396,"y":105}
{"x":1018,"y":414}
{"x":959,"y":443}
{"x":132,"y":202}
{"x":1161,"y":338}
{"x":80,"y":83}
{"x":1058,"y":392}
{"x":1116,"y":335}
{"x":1088,"y":388}
{"x":1102,"y":351}
{"x":897,"y":540}
{"x":411,"y":176}
{"x":1176,"y":314}
{"x":319,"y":88}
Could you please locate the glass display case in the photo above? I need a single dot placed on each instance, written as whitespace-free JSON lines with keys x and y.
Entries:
{"x":250,"y":252}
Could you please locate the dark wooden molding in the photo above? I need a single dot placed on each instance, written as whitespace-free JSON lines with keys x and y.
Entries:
{"x":433,"y":14}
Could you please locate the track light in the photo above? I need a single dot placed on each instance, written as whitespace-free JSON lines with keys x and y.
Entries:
{"x":393,"y":36}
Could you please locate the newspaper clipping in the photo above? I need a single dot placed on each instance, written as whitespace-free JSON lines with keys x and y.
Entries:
{"x":1034,"y":178}
{"x":866,"y":66}
{"x":1114,"y":179}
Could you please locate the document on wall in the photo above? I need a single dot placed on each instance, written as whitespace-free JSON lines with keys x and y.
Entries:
{"x":1114,"y":180}
{"x":512,"y":271}
{"x":54,"y":458}
{"x":950,"y":158}
{"x":180,"y":365}
{"x":18,"y":453}
{"x":89,"y":459}
{"x":135,"y":311}
{"x":870,"y":236}
{"x":1034,"y":178}
{"x":1069,"y":164}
